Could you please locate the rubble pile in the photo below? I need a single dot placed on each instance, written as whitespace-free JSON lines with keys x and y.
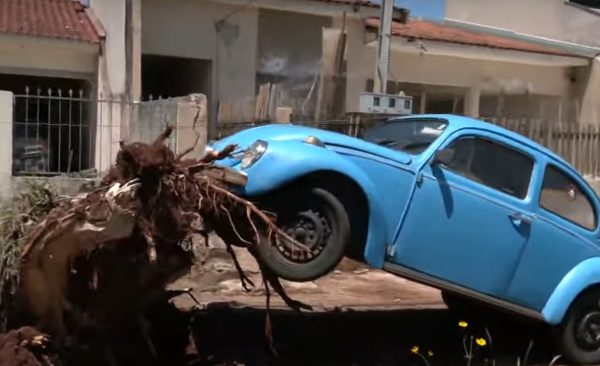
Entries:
{"x":89,"y":268}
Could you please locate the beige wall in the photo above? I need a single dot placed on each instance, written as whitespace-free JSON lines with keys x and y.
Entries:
{"x":112,"y":75}
{"x":487,"y":76}
{"x":359,"y":63}
{"x":47,"y":56}
{"x":290,"y":48}
{"x":290,"y":44}
{"x":545,"y":18}
{"x":186,"y":28}
{"x":6,"y":136}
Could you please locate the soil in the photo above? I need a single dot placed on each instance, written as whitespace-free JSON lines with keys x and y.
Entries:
{"x":228,"y":336}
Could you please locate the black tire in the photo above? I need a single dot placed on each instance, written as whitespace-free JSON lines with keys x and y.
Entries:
{"x":579,"y":334}
{"x":296,"y":209}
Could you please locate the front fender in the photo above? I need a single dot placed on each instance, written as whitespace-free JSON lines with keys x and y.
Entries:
{"x":286,"y":161}
{"x":582,"y":276}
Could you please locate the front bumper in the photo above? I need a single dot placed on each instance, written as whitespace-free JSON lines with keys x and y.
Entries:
{"x":227,"y":174}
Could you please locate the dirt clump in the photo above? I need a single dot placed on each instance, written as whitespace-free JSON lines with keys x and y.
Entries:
{"x":25,"y":346}
{"x":90,"y":270}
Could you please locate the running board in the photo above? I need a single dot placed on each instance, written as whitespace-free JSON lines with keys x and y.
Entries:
{"x":451,"y":287}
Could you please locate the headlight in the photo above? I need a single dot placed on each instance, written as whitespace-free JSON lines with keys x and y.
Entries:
{"x":254,"y":152}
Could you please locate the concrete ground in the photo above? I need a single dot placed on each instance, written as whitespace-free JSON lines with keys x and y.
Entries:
{"x":351,"y":286}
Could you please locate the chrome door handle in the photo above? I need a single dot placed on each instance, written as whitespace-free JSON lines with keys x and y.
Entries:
{"x":519,"y":218}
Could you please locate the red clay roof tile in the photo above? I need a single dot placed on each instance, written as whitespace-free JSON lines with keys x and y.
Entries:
{"x":425,"y":30}
{"x":368,"y":3}
{"x":63,"y":19}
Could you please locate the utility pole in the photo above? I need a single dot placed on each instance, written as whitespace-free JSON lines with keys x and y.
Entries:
{"x":383,"y":47}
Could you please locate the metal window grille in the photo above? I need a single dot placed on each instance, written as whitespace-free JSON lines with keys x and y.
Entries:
{"x":58,"y":132}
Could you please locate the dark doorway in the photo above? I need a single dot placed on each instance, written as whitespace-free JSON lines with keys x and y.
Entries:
{"x":165,"y":76}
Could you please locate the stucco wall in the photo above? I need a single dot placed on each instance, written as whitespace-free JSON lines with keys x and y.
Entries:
{"x":112,"y":75}
{"x":360,"y":64}
{"x":6,"y":129}
{"x":545,"y":18}
{"x":186,"y":28}
{"x":488,"y":76}
{"x":44,"y":57}
{"x":290,"y":44}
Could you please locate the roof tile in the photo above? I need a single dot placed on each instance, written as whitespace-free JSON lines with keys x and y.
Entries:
{"x":367,"y":3}
{"x":425,"y":30}
{"x":63,"y":19}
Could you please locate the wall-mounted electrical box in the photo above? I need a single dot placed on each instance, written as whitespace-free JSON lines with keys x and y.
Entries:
{"x":385,"y":103}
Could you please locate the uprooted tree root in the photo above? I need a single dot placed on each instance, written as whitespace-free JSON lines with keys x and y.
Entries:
{"x":91,"y":267}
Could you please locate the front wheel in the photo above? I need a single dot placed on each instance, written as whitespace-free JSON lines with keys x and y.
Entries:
{"x":318,"y":220}
{"x":579,"y":334}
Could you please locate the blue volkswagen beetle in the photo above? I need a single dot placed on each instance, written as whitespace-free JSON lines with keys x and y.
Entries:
{"x":456,"y":203}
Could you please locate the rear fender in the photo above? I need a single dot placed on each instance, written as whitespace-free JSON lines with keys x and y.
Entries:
{"x":578,"y":279}
{"x":287,"y":161}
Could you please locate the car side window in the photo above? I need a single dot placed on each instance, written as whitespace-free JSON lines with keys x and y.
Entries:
{"x":564,"y":197}
{"x":492,"y":164}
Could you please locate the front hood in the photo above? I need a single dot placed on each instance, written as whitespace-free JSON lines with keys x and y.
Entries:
{"x":283,"y":132}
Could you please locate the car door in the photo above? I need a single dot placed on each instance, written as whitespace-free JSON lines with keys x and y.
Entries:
{"x":562,"y":236}
{"x":468,"y":220}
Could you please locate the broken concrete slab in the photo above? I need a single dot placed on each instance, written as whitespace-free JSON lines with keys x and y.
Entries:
{"x":352,"y":285}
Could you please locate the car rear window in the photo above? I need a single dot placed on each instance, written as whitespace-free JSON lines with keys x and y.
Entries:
{"x":564,"y":197}
{"x":492,"y":164}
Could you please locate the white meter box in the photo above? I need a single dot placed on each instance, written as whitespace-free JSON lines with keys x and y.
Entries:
{"x":385,"y":103}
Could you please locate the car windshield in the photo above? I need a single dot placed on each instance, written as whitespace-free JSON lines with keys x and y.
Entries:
{"x":410,"y":136}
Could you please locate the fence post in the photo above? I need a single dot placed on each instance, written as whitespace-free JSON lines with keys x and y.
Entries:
{"x":6,"y":141}
{"x":191,"y":123}
{"x":6,"y":122}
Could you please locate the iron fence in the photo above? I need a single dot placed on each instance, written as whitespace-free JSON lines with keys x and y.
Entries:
{"x":53,"y":132}
{"x":352,"y":125}
{"x":57,"y":132}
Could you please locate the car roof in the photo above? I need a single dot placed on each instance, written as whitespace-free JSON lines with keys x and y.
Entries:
{"x":459,"y":122}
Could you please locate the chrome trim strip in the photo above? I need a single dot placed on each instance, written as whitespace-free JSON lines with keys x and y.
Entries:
{"x":448,"y":286}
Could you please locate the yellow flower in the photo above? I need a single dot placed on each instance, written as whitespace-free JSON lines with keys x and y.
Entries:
{"x":481,"y":342}
{"x":463,"y":324}
{"x":430,"y":353}
{"x":415,"y":349}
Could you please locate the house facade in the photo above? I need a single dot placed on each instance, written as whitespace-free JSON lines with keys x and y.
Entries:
{"x":50,"y":62}
{"x":109,"y":57}
{"x":227,"y":49}
{"x":447,"y":68}
{"x":570,"y":24}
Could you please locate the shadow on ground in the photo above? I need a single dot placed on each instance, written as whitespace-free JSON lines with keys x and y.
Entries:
{"x":228,"y":336}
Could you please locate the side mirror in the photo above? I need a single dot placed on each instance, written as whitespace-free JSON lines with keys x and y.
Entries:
{"x":443,"y":156}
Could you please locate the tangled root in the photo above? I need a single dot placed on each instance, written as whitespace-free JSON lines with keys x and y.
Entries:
{"x":103,"y":258}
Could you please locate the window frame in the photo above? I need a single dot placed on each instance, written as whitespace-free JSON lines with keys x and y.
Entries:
{"x":581,"y":189}
{"x":500,"y":143}
{"x":405,"y":120}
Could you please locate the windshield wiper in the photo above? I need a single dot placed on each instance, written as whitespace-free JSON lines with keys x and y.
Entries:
{"x":386,"y":142}
{"x":412,"y":145}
